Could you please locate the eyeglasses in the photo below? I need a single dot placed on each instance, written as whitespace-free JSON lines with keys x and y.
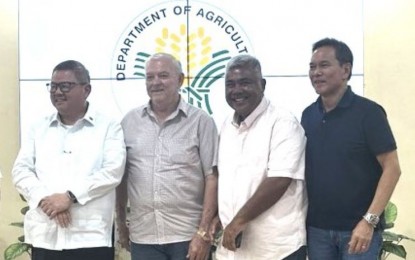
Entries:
{"x":64,"y":87}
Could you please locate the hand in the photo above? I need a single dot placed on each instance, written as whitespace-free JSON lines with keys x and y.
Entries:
{"x":230,"y":233}
{"x":123,"y":236}
{"x":215,"y":226}
{"x":361,"y":237}
{"x":55,"y":203}
{"x":198,"y":248}
{"x":63,"y":219}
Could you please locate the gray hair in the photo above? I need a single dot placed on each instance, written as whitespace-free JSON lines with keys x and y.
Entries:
{"x":245,"y":61}
{"x":173,"y":59}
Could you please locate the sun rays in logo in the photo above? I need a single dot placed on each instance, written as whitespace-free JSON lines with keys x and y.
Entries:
{"x":196,"y":50}
{"x":203,"y":66}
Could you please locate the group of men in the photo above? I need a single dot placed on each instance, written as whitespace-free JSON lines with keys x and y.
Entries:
{"x":270,"y":184}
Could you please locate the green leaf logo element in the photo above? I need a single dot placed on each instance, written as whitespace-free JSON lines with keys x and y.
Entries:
{"x":140,"y":62}
{"x":199,"y":89}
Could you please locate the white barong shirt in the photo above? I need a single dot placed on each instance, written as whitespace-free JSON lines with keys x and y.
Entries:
{"x":88,"y":159}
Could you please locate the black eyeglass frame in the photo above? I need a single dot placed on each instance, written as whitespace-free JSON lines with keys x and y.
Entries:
{"x":64,"y":87}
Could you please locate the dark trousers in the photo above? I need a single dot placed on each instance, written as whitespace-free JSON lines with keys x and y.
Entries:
{"x":171,"y":251}
{"x":101,"y":253}
{"x":300,"y":254}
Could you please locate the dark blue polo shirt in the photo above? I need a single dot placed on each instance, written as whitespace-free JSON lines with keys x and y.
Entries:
{"x":342,"y":172}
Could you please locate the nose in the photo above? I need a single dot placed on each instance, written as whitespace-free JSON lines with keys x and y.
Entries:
{"x":239,"y":86}
{"x":155,"y":81}
{"x":236,"y":89}
{"x":57,"y":91}
{"x":315,"y":71}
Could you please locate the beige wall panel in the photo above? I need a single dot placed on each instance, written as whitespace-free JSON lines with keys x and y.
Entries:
{"x":10,"y":202}
{"x":389,"y":48}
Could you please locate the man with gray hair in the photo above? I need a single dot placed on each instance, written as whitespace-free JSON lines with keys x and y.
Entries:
{"x":170,"y":177}
{"x":261,"y":172}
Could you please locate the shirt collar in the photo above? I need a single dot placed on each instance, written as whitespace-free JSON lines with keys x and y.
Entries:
{"x":250,"y":119}
{"x":345,"y":101}
{"x":89,"y":116}
{"x":182,"y":107}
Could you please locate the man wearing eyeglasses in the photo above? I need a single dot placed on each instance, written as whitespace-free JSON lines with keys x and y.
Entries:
{"x":67,"y":170}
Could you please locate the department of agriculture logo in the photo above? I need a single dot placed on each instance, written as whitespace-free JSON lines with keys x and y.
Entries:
{"x":201,"y":36}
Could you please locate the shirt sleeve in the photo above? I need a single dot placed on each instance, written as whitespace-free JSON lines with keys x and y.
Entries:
{"x":208,"y":144}
{"x":23,"y":174}
{"x":109,"y":175}
{"x":377,"y":131}
{"x":287,"y":150}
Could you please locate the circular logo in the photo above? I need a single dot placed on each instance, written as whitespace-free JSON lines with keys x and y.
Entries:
{"x":202,"y":37}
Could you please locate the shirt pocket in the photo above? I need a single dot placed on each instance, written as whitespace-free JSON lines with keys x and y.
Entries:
{"x":182,"y":151}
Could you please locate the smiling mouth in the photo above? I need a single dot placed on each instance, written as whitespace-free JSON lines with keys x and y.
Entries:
{"x":239,"y":99}
{"x":59,"y":100}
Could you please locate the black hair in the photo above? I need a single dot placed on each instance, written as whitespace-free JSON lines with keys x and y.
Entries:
{"x":81,"y":73}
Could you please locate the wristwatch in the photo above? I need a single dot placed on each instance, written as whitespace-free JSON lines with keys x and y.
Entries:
{"x":71,"y":196}
{"x":372,"y":219}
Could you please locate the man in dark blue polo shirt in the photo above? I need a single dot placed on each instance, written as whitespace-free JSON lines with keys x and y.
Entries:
{"x":352,"y":165}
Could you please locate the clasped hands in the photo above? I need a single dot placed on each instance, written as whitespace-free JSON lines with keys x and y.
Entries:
{"x":56,"y":206}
